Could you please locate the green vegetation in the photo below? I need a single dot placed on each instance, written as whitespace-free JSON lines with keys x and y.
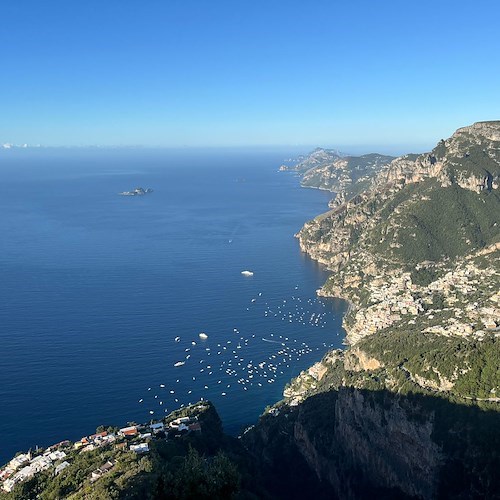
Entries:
{"x":474,"y":159}
{"x":424,"y":276}
{"x":435,"y":223}
{"x":471,"y":365}
{"x":194,"y":476}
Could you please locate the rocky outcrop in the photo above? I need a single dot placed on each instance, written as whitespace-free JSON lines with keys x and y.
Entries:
{"x":470,"y":158}
{"x":357,"y":360}
{"x":489,"y":130}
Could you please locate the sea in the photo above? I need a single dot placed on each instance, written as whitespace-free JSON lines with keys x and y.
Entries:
{"x":103,"y":297}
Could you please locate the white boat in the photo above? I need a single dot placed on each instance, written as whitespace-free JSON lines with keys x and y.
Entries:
{"x":179,"y":363}
{"x":177,"y":339}
{"x":247,"y":273}
{"x":203,"y":336}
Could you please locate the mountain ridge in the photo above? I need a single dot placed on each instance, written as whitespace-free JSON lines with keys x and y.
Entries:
{"x":410,"y":409}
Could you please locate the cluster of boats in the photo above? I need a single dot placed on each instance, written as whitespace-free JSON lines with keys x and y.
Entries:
{"x":138,"y":191}
{"x":241,"y":362}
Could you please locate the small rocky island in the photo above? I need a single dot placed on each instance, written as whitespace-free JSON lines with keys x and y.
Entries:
{"x":138,"y":191}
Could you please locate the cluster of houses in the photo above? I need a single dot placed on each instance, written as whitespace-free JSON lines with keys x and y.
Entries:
{"x":393,"y":300}
{"x":98,"y":473}
{"x":135,"y":438}
{"x":89,"y":443}
{"x":463,"y":282}
{"x":390,"y":301}
{"x":142,"y":434}
{"x":185,"y":424}
{"x":25,"y":466}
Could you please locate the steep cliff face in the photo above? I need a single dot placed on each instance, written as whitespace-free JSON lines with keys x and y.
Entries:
{"x":470,"y":158}
{"x":374,"y":442}
{"x":362,"y":443}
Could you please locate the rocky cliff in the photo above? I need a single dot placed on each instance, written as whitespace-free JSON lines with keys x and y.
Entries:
{"x":362,"y":443}
{"x":470,"y":158}
{"x":411,"y":408}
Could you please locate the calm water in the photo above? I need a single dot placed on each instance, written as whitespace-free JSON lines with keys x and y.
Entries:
{"x":95,"y":288}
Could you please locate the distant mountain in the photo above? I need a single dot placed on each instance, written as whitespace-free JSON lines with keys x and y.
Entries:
{"x":318,"y":158}
{"x":331,"y":170}
{"x":348,"y":174}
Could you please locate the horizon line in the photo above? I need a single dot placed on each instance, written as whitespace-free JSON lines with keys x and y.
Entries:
{"x":369,"y":148}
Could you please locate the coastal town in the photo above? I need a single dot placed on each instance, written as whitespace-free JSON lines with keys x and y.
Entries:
{"x":135,"y":438}
{"x":463,"y":302}
{"x":442,"y":306}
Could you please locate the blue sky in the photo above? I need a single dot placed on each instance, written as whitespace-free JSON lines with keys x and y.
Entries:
{"x":387,"y":74}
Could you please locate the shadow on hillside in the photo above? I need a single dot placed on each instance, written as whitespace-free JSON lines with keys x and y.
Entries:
{"x":375,"y":444}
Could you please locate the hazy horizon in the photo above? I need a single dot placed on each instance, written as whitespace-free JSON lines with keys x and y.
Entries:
{"x":289,"y":151}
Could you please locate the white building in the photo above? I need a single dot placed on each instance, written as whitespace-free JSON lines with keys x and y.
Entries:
{"x":140,"y":448}
{"x":61,"y":467}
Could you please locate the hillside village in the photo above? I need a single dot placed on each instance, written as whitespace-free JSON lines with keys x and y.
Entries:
{"x":394,"y":298}
{"x":55,"y":459}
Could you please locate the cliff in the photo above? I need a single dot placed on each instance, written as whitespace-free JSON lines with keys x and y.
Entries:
{"x":411,"y":408}
{"x":362,"y":443}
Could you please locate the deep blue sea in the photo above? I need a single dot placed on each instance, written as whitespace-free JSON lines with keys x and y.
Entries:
{"x":96,"y":287}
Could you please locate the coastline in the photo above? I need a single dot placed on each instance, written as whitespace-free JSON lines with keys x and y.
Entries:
{"x":312,"y":272}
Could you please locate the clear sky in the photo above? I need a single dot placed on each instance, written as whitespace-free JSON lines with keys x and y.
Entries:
{"x":340,"y":73}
